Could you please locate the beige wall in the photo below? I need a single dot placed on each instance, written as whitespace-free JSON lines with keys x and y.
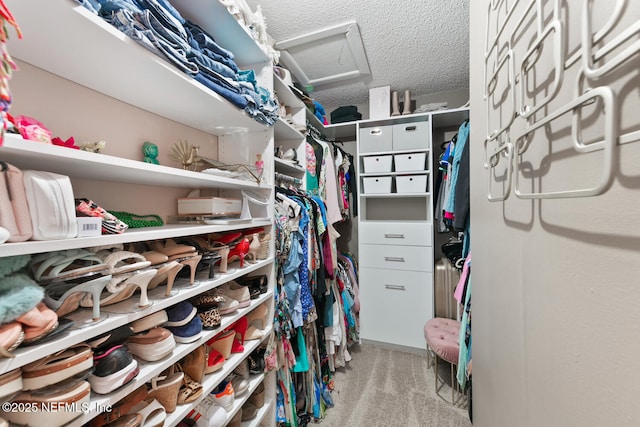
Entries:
{"x":68,"y":109}
{"x":556,"y":324}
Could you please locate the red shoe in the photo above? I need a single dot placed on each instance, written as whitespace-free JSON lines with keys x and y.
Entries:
{"x":240,"y":328}
{"x":239,"y":251}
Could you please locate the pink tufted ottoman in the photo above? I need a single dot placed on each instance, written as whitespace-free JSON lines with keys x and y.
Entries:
{"x":442,"y":342}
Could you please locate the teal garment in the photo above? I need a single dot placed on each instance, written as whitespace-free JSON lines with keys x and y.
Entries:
{"x":463,"y":136}
{"x":463,"y":356}
{"x":302,"y":360}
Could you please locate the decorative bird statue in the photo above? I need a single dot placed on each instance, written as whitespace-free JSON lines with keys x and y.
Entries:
{"x":185,"y":154}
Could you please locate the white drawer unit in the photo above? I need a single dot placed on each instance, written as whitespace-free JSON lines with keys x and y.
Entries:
{"x":412,"y":258}
{"x":411,"y":184}
{"x":377,"y":164}
{"x":395,"y":306}
{"x":410,"y":162}
{"x":395,"y":224}
{"x":410,"y":136}
{"x":375,"y":139}
{"x":395,"y":233}
{"x":377,"y":184}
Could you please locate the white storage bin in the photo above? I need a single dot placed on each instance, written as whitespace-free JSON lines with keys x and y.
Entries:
{"x":411,"y":184}
{"x":376,"y":164}
{"x":410,"y":162}
{"x":377,"y":185}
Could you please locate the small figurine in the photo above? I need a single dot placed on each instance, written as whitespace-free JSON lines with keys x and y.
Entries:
{"x":150,"y":152}
{"x":93,"y":146}
{"x":185,"y":154}
{"x":259,"y":165}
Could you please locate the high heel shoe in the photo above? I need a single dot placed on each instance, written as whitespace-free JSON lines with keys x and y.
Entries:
{"x":192,"y":262}
{"x":240,"y":328}
{"x":166,"y":273}
{"x":224,"y":254}
{"x":258,"y":316}
{"x":222,"y":343}
{"x":239,"y":251}
{"x":254,"y":247}
{"x":123,"y":286}
{"x":171,"y":249}
{"x":64,"y":298}
{"x":165,"y":390}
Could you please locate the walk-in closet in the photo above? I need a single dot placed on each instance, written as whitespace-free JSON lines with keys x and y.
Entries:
{"x":279,"y":214}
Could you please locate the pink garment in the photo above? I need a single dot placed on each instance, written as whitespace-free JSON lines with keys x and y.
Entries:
{"x":463,"y":279}
{"x":332,"y":200}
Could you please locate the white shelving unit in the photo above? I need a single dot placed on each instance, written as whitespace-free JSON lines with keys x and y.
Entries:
{"x":395,"y":227}
{"x":84,"y":49}
{"x":287,"y":136}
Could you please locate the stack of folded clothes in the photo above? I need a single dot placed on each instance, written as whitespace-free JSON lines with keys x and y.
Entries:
{"x":344,"y":114}
{"x":159,"y":27}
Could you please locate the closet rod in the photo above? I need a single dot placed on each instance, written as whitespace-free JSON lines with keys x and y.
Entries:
{"x":280,"y":177}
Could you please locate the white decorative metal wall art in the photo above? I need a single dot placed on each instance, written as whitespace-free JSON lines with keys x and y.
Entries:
{"x":520,"y":99}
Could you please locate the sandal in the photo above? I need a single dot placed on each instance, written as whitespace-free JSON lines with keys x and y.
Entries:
{"x":38,"y":323}
{"x":119,"y":262}
{"x":67,"y":264}
{"x":166,"y":274}
{"x":11,"y":336}
{"x":165,"y":389}
{"x":153,"y":413}
{"x":64,"y":298}
{"x":122,"y":287}
{"x":215,"y":360}
{"x":190,"y":390}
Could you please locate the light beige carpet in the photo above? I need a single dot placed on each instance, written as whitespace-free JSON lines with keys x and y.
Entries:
{"x":387,"y":387}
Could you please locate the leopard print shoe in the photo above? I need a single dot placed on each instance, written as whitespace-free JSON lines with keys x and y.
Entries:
{"x":210,"y":318}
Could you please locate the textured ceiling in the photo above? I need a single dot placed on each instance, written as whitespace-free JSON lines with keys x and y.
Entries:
{"x":417,"y":45}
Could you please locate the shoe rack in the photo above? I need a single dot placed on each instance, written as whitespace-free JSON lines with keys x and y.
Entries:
{"x":395,"y":225}
{"x":84,"y":54}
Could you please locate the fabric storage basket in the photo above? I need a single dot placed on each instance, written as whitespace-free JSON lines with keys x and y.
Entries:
{"x":375,"y":139}
{"x":376,"y":164}
{"x":411,"y":183}
{"x":411,"y":136}
{"x":14,"y":209}
{"x":51,"y":204}
{"x":377,"y":185}
{"x":410,"y":162}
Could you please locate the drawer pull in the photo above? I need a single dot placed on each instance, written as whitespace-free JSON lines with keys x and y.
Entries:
{"x":394,"y":236}
{"x":395,"y":287}
{"x":393,"y":259}
{"x":376,"y":132}
{"x":410,"y":128}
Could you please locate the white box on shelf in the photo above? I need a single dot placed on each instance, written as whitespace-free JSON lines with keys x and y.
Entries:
{"x":374,"y":164}
{"x":377,"y":185}
{"x":410,"y":162}
{"x":89,"y":226}
{"x":209,"y":206}
{"x":411,"y":184}
{"x":380,"y":102}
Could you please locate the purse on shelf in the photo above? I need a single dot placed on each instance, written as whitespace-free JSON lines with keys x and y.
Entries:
{"x":14,"y":209}
{"x":51,"y":204}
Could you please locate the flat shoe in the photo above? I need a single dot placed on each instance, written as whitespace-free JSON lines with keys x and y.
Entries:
{"x":10,"y":383}
{"x":70,"y":398}
{"x":57,"y":367}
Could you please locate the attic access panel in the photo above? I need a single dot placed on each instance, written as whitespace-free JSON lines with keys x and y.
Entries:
{"x":325,"y":56}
